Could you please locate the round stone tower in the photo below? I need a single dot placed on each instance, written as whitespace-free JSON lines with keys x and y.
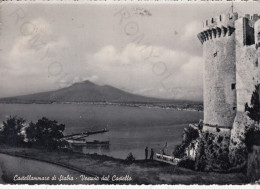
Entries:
{"x":218,"y":39}
{"x":257,"y":33}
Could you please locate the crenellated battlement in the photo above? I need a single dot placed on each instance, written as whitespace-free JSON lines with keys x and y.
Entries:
{"x":219,"y":26}
{"x":216,"y":32}
{"x":221,"y":20}
{"x":224,"y":25}
{"x":252,"y":18}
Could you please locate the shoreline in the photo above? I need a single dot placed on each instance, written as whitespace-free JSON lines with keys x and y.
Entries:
{"x":140,"y":171}
{"x":136,"y":105}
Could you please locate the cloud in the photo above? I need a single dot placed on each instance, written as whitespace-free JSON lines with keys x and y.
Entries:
{"x":48,"y":50}
{"x":32,"y":45}
{"x":149,"y":70}
{"x":25,"y":66}
{"x":191,"y":30}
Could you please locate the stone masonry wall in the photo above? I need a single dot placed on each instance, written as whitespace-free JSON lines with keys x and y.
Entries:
{"x":247,"y":67}
{"x":231,"y":52}
{"x":219,"y":76}
{"x":247,"y":76}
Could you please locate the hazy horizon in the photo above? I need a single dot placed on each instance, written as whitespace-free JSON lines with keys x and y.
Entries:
{"x":101,"y":85}
{"x":148,"y":49}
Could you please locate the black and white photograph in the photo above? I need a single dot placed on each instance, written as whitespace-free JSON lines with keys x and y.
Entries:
{"x":129,"y":92}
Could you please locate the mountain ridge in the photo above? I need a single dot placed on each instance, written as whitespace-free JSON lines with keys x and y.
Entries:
{"x":87,"y":91}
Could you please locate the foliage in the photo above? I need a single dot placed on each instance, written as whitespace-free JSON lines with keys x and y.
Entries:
{"x":238,"y":159}
{"x":130,"y":158}
{"x":179,"y":151}
{"x":254,"y":111}
{"x":200,"y":162}
{"x":252,"y":134}
{"x":190,"y":134}
{"x":187,"y":163}
{"x":11,"y":132}
{"x":212,"y":152}
{"x":252,"y":137}
{"x":45,"y":133}
{"x":223,"y":161}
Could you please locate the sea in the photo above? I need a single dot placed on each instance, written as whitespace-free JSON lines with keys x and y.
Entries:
{"x":131,"y":129}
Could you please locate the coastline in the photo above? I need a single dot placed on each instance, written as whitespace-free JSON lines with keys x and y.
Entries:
{"x":179,"y":107}
{"x":140,"y":171}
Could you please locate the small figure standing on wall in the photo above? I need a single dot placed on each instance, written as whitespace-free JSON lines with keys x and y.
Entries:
{"x":152,"y":153}
{"x":146,"y":153}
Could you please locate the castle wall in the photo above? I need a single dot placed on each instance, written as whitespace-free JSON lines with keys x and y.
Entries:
{"x":247,"y":64}
{"x":231,"y":52}
{"x":219,"y":81}
{"x":247,"y":76}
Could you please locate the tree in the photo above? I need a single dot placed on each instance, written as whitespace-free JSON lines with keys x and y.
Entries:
{"x":252,"y":135}
{"x":11,"y":132}
{"x":45,"y":133}
{"x":254,"y":110}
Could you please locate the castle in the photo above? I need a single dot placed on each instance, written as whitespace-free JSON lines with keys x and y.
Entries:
{"x":231,"y":51}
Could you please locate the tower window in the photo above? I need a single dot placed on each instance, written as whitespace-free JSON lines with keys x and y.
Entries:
{"x":233,"y":86}
{"x":212,"y":20}
{"x":234,"y":108}
{"x":220,"y":17}
{"x":256,"y":63}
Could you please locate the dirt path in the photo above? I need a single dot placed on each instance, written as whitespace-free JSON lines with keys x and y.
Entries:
{"x":18,"y":170}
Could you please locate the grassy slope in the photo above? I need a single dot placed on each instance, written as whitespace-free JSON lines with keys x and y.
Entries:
{"x":142,"y":172}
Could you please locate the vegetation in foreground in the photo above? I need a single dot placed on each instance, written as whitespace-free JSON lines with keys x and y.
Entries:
{"x":252,"y":134}
{"x":141,"y":171}
{"x":44,"y":133}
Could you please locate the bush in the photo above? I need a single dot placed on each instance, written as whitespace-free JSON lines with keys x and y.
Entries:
{"x":187,"y":163}
{"x":130,"y":158}
{"x":223,"y":160}
{"x":11,"y":133}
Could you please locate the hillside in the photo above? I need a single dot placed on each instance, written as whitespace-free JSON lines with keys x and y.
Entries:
{"x":81,"y":92}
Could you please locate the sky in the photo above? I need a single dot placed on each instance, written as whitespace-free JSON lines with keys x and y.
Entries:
{"x":149,"y":49}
